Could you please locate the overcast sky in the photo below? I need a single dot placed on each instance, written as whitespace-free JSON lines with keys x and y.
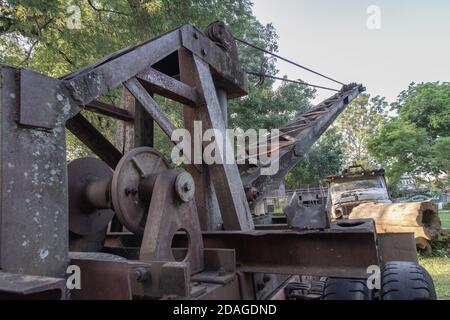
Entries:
{"x":332,"y":37}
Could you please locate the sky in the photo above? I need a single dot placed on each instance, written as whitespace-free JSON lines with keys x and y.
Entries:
{"x":410,"y":42}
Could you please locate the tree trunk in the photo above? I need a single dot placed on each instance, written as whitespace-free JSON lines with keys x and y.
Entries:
{"x":418,"y":217}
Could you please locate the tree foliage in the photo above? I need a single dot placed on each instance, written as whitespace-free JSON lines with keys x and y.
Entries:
{"x":41,"y":31}
{"x":427,"y":106}
{"x":417,"y":141}
{"x":325,"y":158}
{"x":267,"y":108}
{"x":37,"y":34}
{"x":360,"y":120}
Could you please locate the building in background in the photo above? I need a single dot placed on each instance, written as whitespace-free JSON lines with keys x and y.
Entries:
{"x":408,"y":186}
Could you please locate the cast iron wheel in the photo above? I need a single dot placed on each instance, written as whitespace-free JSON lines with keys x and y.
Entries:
{"x":346,"y":289}
{"x":403,"y":280}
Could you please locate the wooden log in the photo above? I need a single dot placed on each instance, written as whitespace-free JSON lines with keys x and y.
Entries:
{"x":421,"y":218}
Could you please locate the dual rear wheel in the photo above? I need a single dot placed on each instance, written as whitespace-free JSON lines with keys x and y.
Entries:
{"x":400,"y":280}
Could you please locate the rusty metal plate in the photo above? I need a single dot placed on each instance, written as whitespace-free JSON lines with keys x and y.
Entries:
{"x":398,"y":247}
{"x":103,"y":276}
{"x":19,"y":286}
{"x":110,"y":277}
{"x":167,"y":216}
{"x":44,"y":102}
{"x":228,"y":291}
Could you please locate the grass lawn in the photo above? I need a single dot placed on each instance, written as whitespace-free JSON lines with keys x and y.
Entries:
{"x":439,"y":269}
{"x":445,"y":218}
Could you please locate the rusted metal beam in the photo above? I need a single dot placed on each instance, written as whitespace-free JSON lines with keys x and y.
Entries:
{"x":150,"y":105}
{"x":330,"y":252}
{"x":160,"y":83}
{"x":322,"y":253}
{"x":94,"y":140}
{"x":124,"y":138}
{"x":109,"y":110}
{"x":95,"y":80}
{"x":225,"y":177}
{"x":143,"y":127}
{"x":223,"y":101}
{"x":138,"y":91}
{"x":205,"y":194}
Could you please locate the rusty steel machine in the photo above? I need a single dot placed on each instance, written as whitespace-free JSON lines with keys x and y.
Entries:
{"x":135,"y":225}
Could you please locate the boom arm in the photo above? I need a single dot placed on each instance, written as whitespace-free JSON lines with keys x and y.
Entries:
{"x":303,"y":131}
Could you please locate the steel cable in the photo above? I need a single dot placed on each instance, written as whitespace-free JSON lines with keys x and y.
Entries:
{"x":289,"y":61}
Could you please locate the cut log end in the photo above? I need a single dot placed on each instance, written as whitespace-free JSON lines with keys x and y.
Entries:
{"x":421,"y":218}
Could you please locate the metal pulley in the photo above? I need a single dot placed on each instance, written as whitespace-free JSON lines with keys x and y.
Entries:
{"x":96,"y":192}
{"x":132,"y":186}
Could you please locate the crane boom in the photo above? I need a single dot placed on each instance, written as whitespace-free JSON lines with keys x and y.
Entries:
{"x":303,"y":132}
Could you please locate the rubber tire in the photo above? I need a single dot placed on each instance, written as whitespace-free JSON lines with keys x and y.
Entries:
{"x":346,"y":289}
{"x":402,"y":280}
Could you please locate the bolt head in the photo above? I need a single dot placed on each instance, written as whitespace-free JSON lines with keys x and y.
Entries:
{"x":141,"y":274}
{"x":185,"y":186}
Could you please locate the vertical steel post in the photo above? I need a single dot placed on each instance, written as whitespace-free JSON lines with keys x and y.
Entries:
{"x":33,"y":174}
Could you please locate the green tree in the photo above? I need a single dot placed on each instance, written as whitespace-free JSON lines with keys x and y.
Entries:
{"x":35,"y":34}
{"x":401,"y":147}
{"x":43,"y":40}
{"x":427,"y":106}
{"x":417,"y":141}
{"x":266,"y":108}
{"x":325,"y":158}
{"x":360,"y":120}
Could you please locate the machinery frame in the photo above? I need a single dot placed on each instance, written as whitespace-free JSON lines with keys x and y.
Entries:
{"x":201,"y":72}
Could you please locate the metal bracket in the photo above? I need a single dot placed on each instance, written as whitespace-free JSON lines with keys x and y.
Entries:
{"x":16,"y":286}
{"x":44,"y":102}
{"x":226,"y":72}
